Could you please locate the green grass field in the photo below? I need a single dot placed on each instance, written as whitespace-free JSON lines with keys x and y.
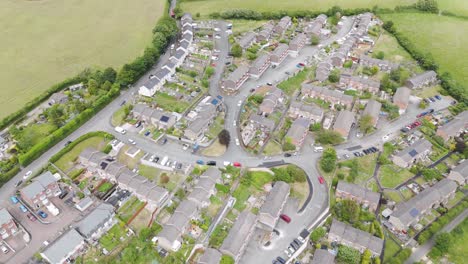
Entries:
{"x":44,"y":42}
{"x":66,"y":161}
{"x":392,"y":175}
{"x":444,"y":37}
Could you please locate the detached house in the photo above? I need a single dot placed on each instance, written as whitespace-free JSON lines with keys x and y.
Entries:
{"x":372,"y":109}
{"x":343,"y":123}
{"x":423,"y":79}
{"x":401,"y":99}
{"x":361,"y":195}
{"x":298,"y":132}
{"x":8,"y":226}
{"x":279,"y":54}
{"x":411,"y":154}
{"x":274,"y":203}
{"x":42,"y":187}
{"x":259,"y":66}
{"x":235,"y":80}
{"x":236,"y":241}
{"x":453,"y":128}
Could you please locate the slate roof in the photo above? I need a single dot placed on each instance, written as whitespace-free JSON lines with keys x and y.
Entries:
{"x":238,"y":73}
{"x":422,"y":78}
{"x":38,"y":185}
{"x":344,"y":121}
{"x":402,"y":96}
{"x":372,"y":109}
{"x":280,"y":49}
{"x":452,"y":128}
{"x":239,"y":233}
{"x":60,"y":248}
{"x":410,"y":152}
{"x":298,"y":128}
{"x":5,"y":216}
{"x":95,"y":220}
{"x":462,"y":168}
{"x":262,"y":121}
{"x":210,"y":256}
{"x":260,"y":61}
{"x":247,"y":40}
{"x":275,"y":199}
{"x":356,"y":236}
{"x":322,"y":256}
{"x":358,"y":191}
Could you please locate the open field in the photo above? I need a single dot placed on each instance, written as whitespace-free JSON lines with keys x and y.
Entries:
{"x":444,"y":37}
{"x":44,"y":42}
{"x":204,"y":7}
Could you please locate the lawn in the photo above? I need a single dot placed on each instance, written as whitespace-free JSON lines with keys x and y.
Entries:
{"x":170,"y":103}
{"x":393,"y":195}
{"x":391,"y":248}
{"x":458,"y":252}
{"x":45,"y":42}
{"x":216,"y":127}
{"x":112,"y":238}
{"x":33,"y":134}
{"x":272,"y":148}
{"x":444,"y":37}
{"x":391,"y":175}
{"x":242,"y":25}
{"x":392,"y":50}
{"x":105,"y":187}
{"x":66,"y":161}
{"x":119,"y":116}
{"x":242,"y":193}
{"x":292,"y":84}
{"x":129,"y":209}
{"x":214,"y":150}
{"x":125,"y":159}
{"x":148,"y":172}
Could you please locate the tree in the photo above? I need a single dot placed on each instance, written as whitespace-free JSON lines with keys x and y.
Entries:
{"x":209,"y":71}
{"x":92,"y":86}
{"x":224,"y":137}
{"x":314,"y":40}
{"x":460,"y":145}
{"x":236,"y":50}
{"x":348,"y":211}
{"x":164,"y":179}
{"x":388,"y":25}
{"x":422,"y":104}
{"x":328,"y":160}
{"x":109,"y":74}
{"x":366,"y":123}
{"x":380,"y":55}
{"x":329,"y":137}
{"x":225,"y":259}
{"x":348,"y":255}
{"x":366,"y":257}
{"x":427,"y":6}
{"x":317,"y":234}
{"x":334,"y":76}
{"x":55,"y":114}
{"x":443,"y":242}
{"x":315,"y":127}
{"x":288,"y":145}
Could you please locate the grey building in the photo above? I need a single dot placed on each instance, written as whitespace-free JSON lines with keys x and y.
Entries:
{"x":453,"y":128}
{"x":94,"y":225}
{"x":372,"y":109}
{"x":460,"y":173}
{"x":265,"y":33}
{"x":273,"y":205}
{"x":235,"y":80}
{"x":282,"y":25}
{"x":343,"y":123}
{"x":298,"y":132}
{"x":239,"y":235}
{"x":259,"y":66}
{"x":308,"y":111}
{"x":273,"y":97}
{"x":401,"y":99}
{"x":279,"y":54}
{"x":205,"y":187}
{"x":423,"y":79}
{"x":210,"y":256}
{"x":247,"y":40}
{"x":64,"y":248}
{"x":411,"y":154}
{"x":361,"y":195}
{"x":322,"y":256}
{"x":383,"y":65}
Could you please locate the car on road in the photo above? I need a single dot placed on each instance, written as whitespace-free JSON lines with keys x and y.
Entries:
{"x":237,"y":164}
{"x":31,"y":217}
{"x":163,"y":141}
{"x":237,"y":142}
{"x":287,"y":155}
{"x":14,"y":199}
{"x":27,"y":174}
{"x":287,"y":253}
{"x":23,"y":208}
{"x":239,"y":103}
{"x":68,"y":143}
{"x":269,"y":84}
{"x":217,"y":36}
{"x":432,"y":99}
{"x":147,"y":133}
{"x":200,"y":162}
{"x":124,"y":102}
{"x":321,"y":179}
{"x":211,"y":163}
{"x":132,"y":141}
{"x":302,"y":64}
{"x":18,"y":183}
{"x":185,"y":146}
{"x":285,"y":218}
{"x":346,"y":156}
{"x":294,"y":246}
{"x":42,"y":214}
{"x":5,"y":250}
{"x":252,"y":90}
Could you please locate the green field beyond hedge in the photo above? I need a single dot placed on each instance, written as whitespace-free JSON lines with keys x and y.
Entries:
{"x":45,"y":42}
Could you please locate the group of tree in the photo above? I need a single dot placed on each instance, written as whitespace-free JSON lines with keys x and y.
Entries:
{"x":224,"y":137}
{"x":289,"y":174}
{"x":236,"y":50}
{"x":328,"y":160}
{"x":348,"y":255}
{"x":366,"y":124}
{"x":328,"y":137}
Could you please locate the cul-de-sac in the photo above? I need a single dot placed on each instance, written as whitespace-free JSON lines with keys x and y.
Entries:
{"x":234,"y":132}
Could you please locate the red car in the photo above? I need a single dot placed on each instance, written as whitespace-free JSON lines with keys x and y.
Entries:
{"x":321,"y":179}
{"x":285,"y":218}
{"x":302,"y":64}
{"x":31,"y":217}
{"x":237,"y":164}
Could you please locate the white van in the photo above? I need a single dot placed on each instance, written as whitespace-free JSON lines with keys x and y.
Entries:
{"x":318,"y":149}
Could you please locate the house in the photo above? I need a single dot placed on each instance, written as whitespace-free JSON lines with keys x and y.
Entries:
{"x":42,"y":187}
{"x":372,"y":109}
{"x":210,"y":256}
{"x":98,"y":222}
{"x":156,"y":117}
{"x":338,"y":58}
{"x":65,"y":248}
{"x":76,"y":87}
{"x":460,"y":173}
{"x":270,"y":211}
{"x":247,"y":40}
{"x":186,"y":19}
{"x":384,"y":65}
{"x":8,"y":225}
{"x":58,"y":98}
{"x":84,"y":203}
{"x":259,"y":66}
{"x":197,"y":128}
{"x":235,"y":80}
{"x":296,"y":44}
{"x":262,"y":122}
{"x":298,"y":132}
{"x":411,"y":154}
{"x":273,"y":97}
{"x":453,"y":128}
{"x":265,"y":33}
{"x":279,"y":54}
{"x":332,"y":96}
{"x":307,"y":111}
{"x":239,"y":235}
{"x":322,"y":256}
{"x":282,"y":25}
{"x":423,"y":79}
{"x":401,"y":99}
{"x":205,"y":187}
{"x":150,"y":87}
{"x":314,"y":28}
{"x":360,"y":195}
{"x":409,"y":213}
{"x":359,"y":83}
{"x":355,"y":238}
{"x":343,"y":123}
{"x":170,"y":237}
{"x":323,"y":70}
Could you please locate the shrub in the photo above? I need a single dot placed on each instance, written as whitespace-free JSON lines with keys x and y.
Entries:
{"x":164,"y":179}
{"x":328,"y":160}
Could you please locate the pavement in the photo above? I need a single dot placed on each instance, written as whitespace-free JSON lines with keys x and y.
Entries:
{"x":423,"y":250}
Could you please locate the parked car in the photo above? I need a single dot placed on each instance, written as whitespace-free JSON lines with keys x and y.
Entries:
{"x":269,"y":84}
{"x":5,"y":250}
{"x":14,"y":199}
{"x":200,"y":162}
{"x":432,"y":99}
{"x":23,"y":208}
{"x":294,"y":246}
{"x":27,"y":174}
{"x":124,"y":102}
{"x":31,"y":217}
{"x":42,"y":214}
{"x":132,"y":141}
{"x":321,"y":179}
{"x":281,"y":260}
{"x":211,"y":163}
{"x":237,"y":164}
{"x":302,"y":64}
{"x":147,"y":133}
{"x":404,"y":130}
{"x":63,"y":194}
{"x":163,"y":141}
{"x":287,"y":155}
{"x":291,"y":249}
{"x":285,"y":218}
{"x":19,"y":183}
{"x":287,"y":253}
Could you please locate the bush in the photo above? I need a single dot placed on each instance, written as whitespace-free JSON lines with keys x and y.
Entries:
{"x":328,"y":160}
{"x":317,"y":234}
{"x":328,"y":137}
{"x":164,"y":179}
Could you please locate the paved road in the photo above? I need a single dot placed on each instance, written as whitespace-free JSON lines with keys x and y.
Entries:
{"x":422,"y":250}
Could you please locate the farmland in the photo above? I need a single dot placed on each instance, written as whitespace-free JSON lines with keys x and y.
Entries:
{"x":44,"y":42}
{"x":444,"y":37}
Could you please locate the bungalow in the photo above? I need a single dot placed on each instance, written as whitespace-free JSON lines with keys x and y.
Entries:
{"x":401,"y":99}
{"x":298,"y":132}
{"x":349,"y":236}
{"x":453,"y":128}
{"x":310,"y":112}
{"x":343,"y":123}
{"x":98,"y":222}
{"x":43,"y":186}
{"x":411,"y":154}
{"x":235,"y":80}
{"x":361,"y":195}
{"x":8,"y":225}
{"x":282,"y":25}
{"x":409,"y":213}
{"x":65,"y":248}
{"x":247,"y":40}
{"x":273,"y":97}
{"x":239,"y":235}
{"x":296,"y":44}
{"x":210,"y":256}
{"x":383,"y":65}
{"x":270,"y":211}
{"x":460,"y":173}
{"x":265,"y":33}
{"x":423,"y":79}
{"x":259,"y":66}
{"x":279,"y":54}
{"x":372,"y":109}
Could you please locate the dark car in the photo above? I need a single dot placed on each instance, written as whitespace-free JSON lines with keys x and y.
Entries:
{"x":366,"y":151}
{"x":18,"y":183}
{"x":426,"y":100}
{"x":179,"y":166}
{"x":294,"y":246}
{"x":211,"y":163}
{"x":287,"y":155}
{"x":404,"y":130}
{"x":431,"y":111}
{"x":63,"y":194}
{"x":269,"y":84}
{"x":123,"y":102}
{"x":42,"y":214}
{"x":164,"y":141}
{"x":147,"y":133}
{"x":297,"y":241}
{"x":356,"y":154}
{"x":68,"y":143}
{"x":281,"y":260}
{"x":438,"y":97}
{"x":432,"y":99}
